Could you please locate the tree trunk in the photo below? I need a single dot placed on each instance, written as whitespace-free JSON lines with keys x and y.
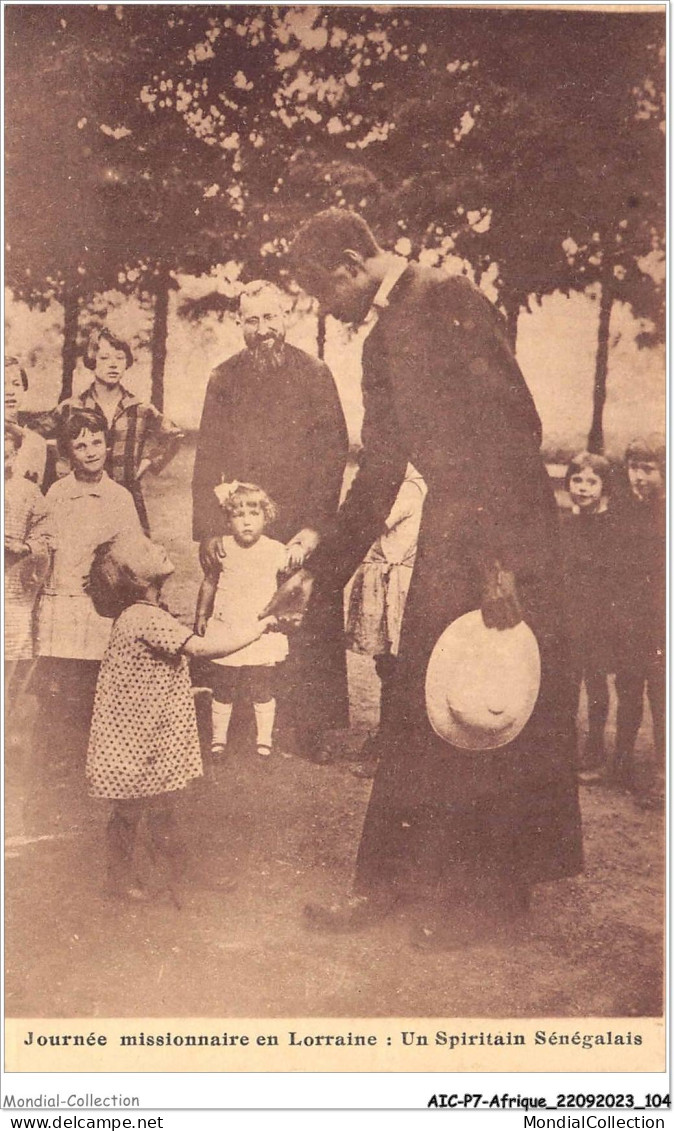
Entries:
{"x":320,"y":336}
{"x":160,"y":334}
{"x":511,"y":306}
{"x":595,"y":440}
{"x":71,"y":306}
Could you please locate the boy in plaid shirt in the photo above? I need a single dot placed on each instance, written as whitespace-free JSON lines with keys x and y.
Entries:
{"x":140,"y":438}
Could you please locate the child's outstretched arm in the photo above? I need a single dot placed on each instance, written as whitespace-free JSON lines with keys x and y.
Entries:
{"x":223,"y":641}
{"x":205,"y":603}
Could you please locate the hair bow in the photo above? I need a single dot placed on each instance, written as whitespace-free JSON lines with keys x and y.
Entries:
{"x":224,"y":491}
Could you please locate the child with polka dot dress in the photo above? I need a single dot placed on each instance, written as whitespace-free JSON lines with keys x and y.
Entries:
{"x":144,"y":745}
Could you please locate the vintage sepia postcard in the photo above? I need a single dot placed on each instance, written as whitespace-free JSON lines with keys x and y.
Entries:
{"x":335,"y":557}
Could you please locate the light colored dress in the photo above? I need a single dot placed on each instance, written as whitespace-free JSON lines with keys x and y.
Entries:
{"x":381,"y":583}
{"x":25,"y":512}
{"x":143,"y":738}
{"x":247,"y":582}
{"x":80,"y":517}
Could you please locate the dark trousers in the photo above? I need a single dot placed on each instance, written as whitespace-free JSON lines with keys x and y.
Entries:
{"x":596,"y":685}
{"x":631,"y":682}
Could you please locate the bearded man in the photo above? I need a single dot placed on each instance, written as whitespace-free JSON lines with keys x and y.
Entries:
{"x":442,"y":390}
{"x":272,"y":416}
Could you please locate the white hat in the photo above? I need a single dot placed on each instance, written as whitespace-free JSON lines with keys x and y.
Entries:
{"x":482,"y":683}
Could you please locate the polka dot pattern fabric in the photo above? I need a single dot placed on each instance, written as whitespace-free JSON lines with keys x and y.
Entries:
{"x":144,"y":738}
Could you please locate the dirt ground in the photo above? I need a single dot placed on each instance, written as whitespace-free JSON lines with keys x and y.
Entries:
{"x":288,"y":831}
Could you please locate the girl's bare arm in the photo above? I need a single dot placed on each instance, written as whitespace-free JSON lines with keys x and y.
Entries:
{"x":205,"y":603}
{"x":223,"y":641}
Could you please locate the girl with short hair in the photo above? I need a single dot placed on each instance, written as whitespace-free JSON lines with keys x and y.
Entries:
{"x":144,"y":745}
{"x":83,"y":510}
{"x":141,"y":438}
{"x":588,"y":551}
{"x":31,"y":457}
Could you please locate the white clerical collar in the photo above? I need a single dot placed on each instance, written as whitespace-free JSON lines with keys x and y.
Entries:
{"x":398,"y":267}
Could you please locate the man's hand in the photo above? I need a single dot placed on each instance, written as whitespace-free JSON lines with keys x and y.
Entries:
{"x":299,"y":547}
{"x":296,"y":556}
{"x":200,"y":622}
{"x":290,"y":601}
{"x":210,"y":554}
{"x":500,"y":603}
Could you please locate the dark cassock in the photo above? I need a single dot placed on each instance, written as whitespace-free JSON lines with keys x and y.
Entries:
{"x":442,"y":390}
{"x":279,"y":424}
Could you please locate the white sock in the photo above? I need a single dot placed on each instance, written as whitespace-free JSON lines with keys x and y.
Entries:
{"x":222,"y":713}
{"x":264,"y":721}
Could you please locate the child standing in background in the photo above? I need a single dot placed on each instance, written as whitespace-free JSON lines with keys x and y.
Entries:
{"x":31,"y":459}
{"x":140,"y":438}
{"x":379,"y":593}
{"x":588,"y":567}
{"x":83,"y":510}
{"x":231,"y":598}
{"x":25,"y":554}
{"x":144,"y":745}
{"x":641,"y":571}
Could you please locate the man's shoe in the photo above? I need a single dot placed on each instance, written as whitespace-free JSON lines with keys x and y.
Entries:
{"x":354,"y":913}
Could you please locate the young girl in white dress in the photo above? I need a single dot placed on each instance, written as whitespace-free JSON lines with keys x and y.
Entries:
{"x":144,"y":744}
{"x":232,"y":597}
{"x":84,"y":510}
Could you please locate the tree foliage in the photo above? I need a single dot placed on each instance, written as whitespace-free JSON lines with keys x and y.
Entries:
{"x":171,"y":138}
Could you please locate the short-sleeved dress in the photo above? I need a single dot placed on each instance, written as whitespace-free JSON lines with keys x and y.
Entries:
{"x":247,"y":581}
{"x":80,"y":517}
{"x":143,"y":739}
{"x":382,"y":581}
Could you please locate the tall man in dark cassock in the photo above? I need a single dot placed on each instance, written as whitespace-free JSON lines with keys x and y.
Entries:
{"x":272,"y":416}
{"x":471,"y":826}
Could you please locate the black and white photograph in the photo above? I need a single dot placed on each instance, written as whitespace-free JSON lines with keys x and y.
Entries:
{"x":335,"y":361}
